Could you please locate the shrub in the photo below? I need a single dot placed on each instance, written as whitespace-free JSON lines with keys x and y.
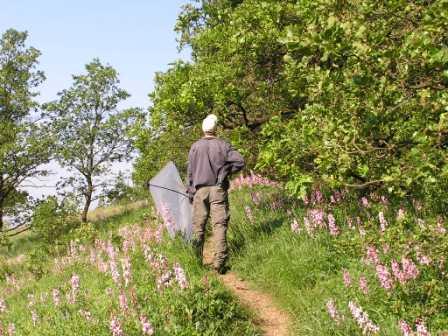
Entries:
{"x":52,"y":219}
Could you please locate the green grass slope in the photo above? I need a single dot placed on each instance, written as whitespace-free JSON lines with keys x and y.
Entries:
{"x":342,"y":265}
{"x":117,"y":277}
{"x":338,"y":264}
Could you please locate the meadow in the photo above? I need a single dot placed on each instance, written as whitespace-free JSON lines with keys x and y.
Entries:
{"x":337,"y":262}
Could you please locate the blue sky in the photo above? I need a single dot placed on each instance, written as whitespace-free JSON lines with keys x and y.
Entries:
{"x":136,"y":37}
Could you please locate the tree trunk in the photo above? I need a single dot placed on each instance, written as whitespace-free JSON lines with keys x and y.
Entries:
{"x":2,"y":198}
{"x":88,"y":197}
{"x":1,"y":216}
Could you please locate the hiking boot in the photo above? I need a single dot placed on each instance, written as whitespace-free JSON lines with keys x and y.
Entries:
{"x":221,"y":269}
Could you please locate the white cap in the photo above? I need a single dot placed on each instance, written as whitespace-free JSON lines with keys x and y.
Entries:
{"x":210,"y":123}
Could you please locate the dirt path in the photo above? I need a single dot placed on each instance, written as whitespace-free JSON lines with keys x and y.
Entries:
{"x":269,"y":318}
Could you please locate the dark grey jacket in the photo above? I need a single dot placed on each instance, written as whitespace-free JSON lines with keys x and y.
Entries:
{"x":210,"y":162}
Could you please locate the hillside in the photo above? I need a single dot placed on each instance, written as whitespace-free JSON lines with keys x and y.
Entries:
{"x":338,"y":264}
{"x":119,"y":276}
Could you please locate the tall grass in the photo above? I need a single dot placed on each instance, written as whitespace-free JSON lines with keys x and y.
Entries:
{"x":304,"y":272}
{"x":204,"y":307}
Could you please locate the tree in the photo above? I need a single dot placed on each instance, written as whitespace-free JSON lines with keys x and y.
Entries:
{"x":24,"y":140}
{"x":235,"y":73}
{"x":91,"y":133}
{"x":374,"y":78}
{"x":330,"y":92}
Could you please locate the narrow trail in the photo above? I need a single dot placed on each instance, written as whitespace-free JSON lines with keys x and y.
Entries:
{"x":269,"y":318}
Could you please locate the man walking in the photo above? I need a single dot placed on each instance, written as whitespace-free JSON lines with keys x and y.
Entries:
{"x":210,"y":162}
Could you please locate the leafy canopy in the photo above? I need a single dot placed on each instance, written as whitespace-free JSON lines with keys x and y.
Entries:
{"x":24,"y":140}
{"x":91,"y":132}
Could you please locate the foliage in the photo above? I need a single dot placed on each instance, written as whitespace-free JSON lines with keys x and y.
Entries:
{"x":345,"y":94}
{"x":24,"y":141}
{"x":52,"y":219}
{"x":5,"y":241}
{"x":373,"y":76}
{"x":90,"y":131}
{"x":235,"y":73}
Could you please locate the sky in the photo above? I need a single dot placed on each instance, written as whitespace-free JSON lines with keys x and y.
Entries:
{"x":136,"y":37}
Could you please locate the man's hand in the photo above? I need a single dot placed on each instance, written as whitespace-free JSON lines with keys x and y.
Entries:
{"x":190,"y":192}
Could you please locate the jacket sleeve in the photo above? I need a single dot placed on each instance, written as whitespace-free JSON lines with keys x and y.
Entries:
{"x":190,"y":187}
{"x":235,"y":160}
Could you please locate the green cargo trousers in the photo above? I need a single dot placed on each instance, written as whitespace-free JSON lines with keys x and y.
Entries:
{"x":211,"y":201}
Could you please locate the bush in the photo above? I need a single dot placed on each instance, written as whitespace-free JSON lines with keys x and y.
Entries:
{"x":52,"y":219}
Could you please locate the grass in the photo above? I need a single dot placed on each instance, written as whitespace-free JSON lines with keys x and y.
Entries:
{"x":303,"y":273}
{"x":205,"y":307}
{"x":103,"y":213}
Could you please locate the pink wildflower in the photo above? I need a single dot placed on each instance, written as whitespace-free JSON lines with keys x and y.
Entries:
{"x":86,"y":314}
{"x":347,"y":279}
{"x":164,"y":280}
{"x":295,"y":228}
{"x":317,"y":217}
{"x":2,"y":306}
{"x":372,"y":255}
{"x":384,"y":277}
{"x":319,"y":196}
{"x":362,"y":231}
{"x":56,"y":297}
{"x":423,"y":259}
{"x":249,"y":213}
{"x":75,"y":287}
{"x":167,"y":218}
{"x":440,"y":227}
{"x":159,"y":234}
{"x":365,"y":202}
{"x":34,"y":317}
{"x":399,"y":275}
{"x":308,"y":227}
{"x":11,"y":329}
{"x":406,"y":330}
{"x":256,"y":198}
{"x":421,"y":328}
{"x":147,"y":328}
{"x":363,"y":285}
{"x":123,"y":301}
{"x":401,"y":214}
{"x":306,"y":200}
{"x":350,"y":224}
{"x":421,"y":223}
{"x":409,"y":268}
{"x":386,"y":248}
{"x":383,"y":222}
{"x":114,"y":272}
{"x":180,"y":276}
{"x":115,"y":327}
{"x":333,"y":312}
{"x":127,"y":273}
{"x":334,"y":230}
{"x":362,"y":319}
{"x":128,"y":244}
